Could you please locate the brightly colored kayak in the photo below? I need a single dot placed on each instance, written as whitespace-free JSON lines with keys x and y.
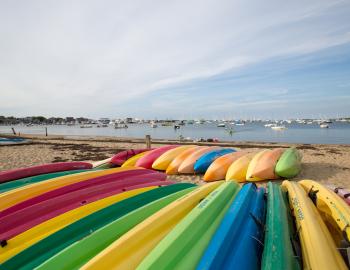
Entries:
{"x":240,"y":233}
{"x":15,"y":174}
{"x":183,"y":247}
{"x":88,"y":247}
{"x":100,"y":163}
{"x":22,"y":220}
{"x":218,"y":169}
{"x":129,"y":250}
{"x":343,"y":193}
{"x":43,"y":250}
{"x":289,"y":164}
{"x":37,"y":233}
{"x":163,"y":161}
{"x":279,"y":234}
{"x":188,"y":164}
{"x":13,"y":197}
{"x":317,"y":245}
{"x":123,"y":156}
{"x":265,"y":167}
{"x":131,"y":162}
{"x":334,"y":211}
{"x":203,"y":163}
{"x":34,"y":179}
{"x":253,"y":163}
{"x":175,"y":164}
{"x":147,"y":160}
{"x":238,"y":169}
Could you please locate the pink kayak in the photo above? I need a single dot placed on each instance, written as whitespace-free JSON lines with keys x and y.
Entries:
{"x":29,"y":217}
{"x":15,"y":174}
{"x":147,"y":160}
{"x":344,"y":193}
{"x":123,"y":156}
{"x":77,"y":186}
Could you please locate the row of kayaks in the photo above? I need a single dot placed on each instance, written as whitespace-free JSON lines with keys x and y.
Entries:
{"x":217,"y":163}
{"x":133,"y":218}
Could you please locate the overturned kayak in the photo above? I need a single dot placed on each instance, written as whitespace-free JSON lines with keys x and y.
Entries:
{"x":203,"y":163}
{"x":147,"y":160}
{"x":131,"y":162}
{"x":176,"y":163}
{"x":162,"y":162}
{"x":121,"y":157}
{"x":238,"y":169}
{"x":187,"y":166}
{"x":289,"y":164}
{"x":240,"y":233}
{"x":253,"y":164}
{"x":265,"y":168}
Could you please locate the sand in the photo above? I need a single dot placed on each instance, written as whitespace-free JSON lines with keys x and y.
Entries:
{"x":328,"y":164}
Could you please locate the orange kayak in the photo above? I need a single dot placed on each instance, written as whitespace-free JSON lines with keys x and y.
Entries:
{"x":217,"y":170}
{"x":175,"y":164}
{"x":238,"y":169}
{"x":265,"y":168}
{"x":187,"y":165}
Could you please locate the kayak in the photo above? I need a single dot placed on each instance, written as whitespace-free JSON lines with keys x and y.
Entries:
{"x":20,"y":221}
{"x":43,"y":250}
{"x":239,"y":233}
{"x":122,"y":156}
{"x":6,"y":176}
{"x":100,"y":163}
{"x":343,"y":193}
{"x":317,"y":245}
{"x":217,"y":170}
{"x":334,"y":211}
{"x":88,"y":247}
{"x":37,"y":233}
{"x":34,"y":179}
{"x":162,"y":162}
{"x":253,"y":163}
{"x":13,"y":197}
{"x":132,"y":247}
{"x":147,"y":160}
{"x":278,"y":250}
{"x":188,"y":164}
{"x":204,"y":161}
{"x":289,"y":164}
{"x":238,"y":169}
{"x":183,"y":247}
{"x":265,"y":168}
{"x":175,"y":164}
{"x":131,"y":162}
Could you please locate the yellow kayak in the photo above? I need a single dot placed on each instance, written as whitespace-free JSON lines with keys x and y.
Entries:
{"x":253,"y":163}
{"x":318,"y":247}
{"x":130,"y":249}
{"x":35,"y":234}
{"x":238,"y":169}
{"x":132,"y":161}
{"x":162,"y":162}
{"x":175,"y":164}
{"x":334,"y":211}
{"x":12,"y":197}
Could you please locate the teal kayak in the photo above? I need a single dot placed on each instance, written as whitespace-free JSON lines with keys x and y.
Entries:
{"x":43,"y":250}
{"x":289,"y":164}
{"x":278,"y":250}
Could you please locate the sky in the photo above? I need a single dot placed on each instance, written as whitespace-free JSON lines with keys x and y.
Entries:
{"x":175,"y":59}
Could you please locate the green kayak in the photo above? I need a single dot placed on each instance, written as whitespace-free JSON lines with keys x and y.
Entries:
{"x":34,"y":179}
{"x":278,"y":248}
{"x":76,"y":255}
{"x":43,"y":250}
{"x":289,"y":164}
{"x":183,"y":247}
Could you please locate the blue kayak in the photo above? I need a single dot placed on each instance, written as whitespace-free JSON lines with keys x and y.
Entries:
{"x":238,"y":242}
{"x":204,"y":161}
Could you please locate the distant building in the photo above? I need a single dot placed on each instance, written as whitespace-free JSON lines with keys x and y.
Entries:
{"x":129,"y":120}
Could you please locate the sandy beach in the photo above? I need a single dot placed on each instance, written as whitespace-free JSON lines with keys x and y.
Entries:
{"x":328,"y":164}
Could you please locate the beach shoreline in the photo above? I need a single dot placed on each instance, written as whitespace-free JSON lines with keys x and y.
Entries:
{"x":325,"y":163}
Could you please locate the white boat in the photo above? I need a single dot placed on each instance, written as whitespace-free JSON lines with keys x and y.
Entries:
{"x":86,"y":126}
{"x":324,"y":125}
{"x":268,"y":125}
{"x":118,"y":126}
{"x":153,"y":125}
{"x":221,"y":125}
{"x":275,"y":127}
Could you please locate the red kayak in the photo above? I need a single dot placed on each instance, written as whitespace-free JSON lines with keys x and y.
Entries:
{"x":147,"y":160}
{"x":15,"y":174}
{"x":29,"y":217}
{"x":344,"y":193}
{"x":76,"y":187}
{"x":123,"y":156}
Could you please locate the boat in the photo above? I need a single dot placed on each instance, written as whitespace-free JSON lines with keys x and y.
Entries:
{"x":183,"y":246}
{"x":164,"y":160}
{"x":279,"y":252}
{"x":253,"y":163}
{"x":343,"y":193}
{"x":119,"y":158}
{"x":324,"y":125}
{"x":203,"y":163}
{"x":119,"y":126}
{"x":176,"y":162}
{"x":177,"y":126}
{"x":130,"y":249}
{"x":86,"y":126}
{"x":221,"y":125}
{"x":268,"y":125}
{"x":238,"y":169}
{"x":187,"y":166}
{"x":319,"y":250}
{"x":131,"y":162}
{"x":239,"y":233}
{"x":147,"y":160}
{"x":276,"y":127}
{"x":289,"y":164}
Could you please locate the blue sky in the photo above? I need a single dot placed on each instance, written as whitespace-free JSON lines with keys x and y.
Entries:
{"x":175,"y":59}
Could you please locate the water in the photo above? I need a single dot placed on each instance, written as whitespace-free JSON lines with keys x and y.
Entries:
{"x":338,"y":133}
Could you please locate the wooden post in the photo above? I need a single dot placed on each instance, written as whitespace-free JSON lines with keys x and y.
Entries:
{"x":148,"y":141}
{"x":13,"y":130}
{"x":46,"y":131}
